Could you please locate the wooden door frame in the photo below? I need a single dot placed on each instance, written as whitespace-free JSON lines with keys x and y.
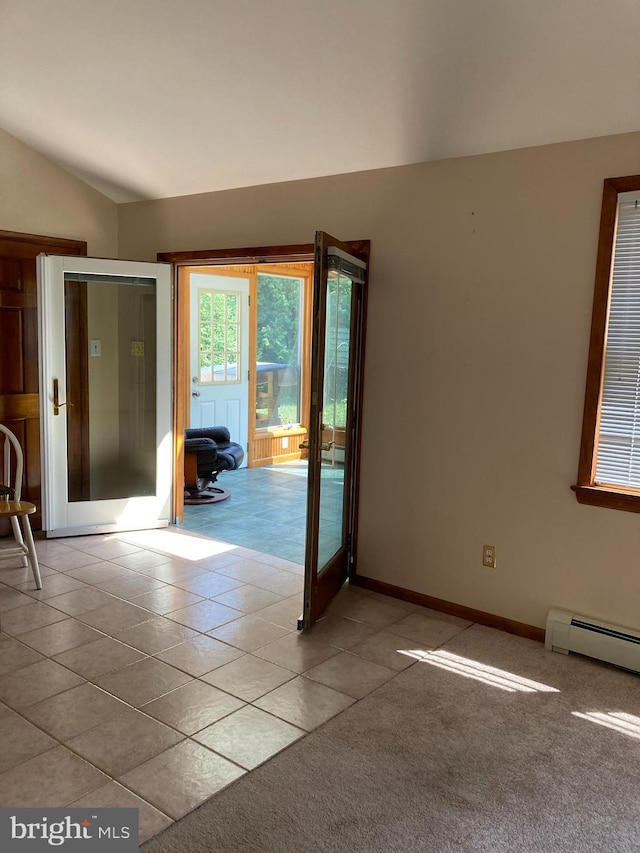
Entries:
{"x":292,"y":253}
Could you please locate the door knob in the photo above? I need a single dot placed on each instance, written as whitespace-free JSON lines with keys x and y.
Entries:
{"x":195,"y":393}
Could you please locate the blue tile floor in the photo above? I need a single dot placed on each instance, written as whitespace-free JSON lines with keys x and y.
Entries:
{"x":267,"y":510}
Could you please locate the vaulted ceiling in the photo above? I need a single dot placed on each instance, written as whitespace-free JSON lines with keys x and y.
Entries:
{"x":157,"y":98}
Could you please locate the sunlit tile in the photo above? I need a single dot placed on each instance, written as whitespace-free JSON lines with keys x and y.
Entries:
{"x":339,"y":631}
{"x":60,"y":637}
{"x":181,"y":778}
{"x":200,"y":655}
{"x":285,"y":613}
{"x":112,"y":795}
{"x":192,"y":707}
{"x":350,"y":674}
{"x":297,"y":652}
{"x":249,"y":633}
{"x":124,"y":742}
{"x":81,"y":600}
{"x":248,"y":598}
{"x":13,"y":655}
{"x":94,"y":659}
{"x":20,"y":740}
{"x":74,"y":711}
{"x":385,"y":649}
{"x":142,"y":681}
{"x":155,"y":635}
{"x":52,"y":779}
{"x":249,"y":677}
{"x":205,"y":615}
{"x":249,"y":736}
{"x":29,"y":617}
{"x":35,"y":682}
{"x":304,"y":703}
{"x":115,"y":617}
{"x":166,"y":599}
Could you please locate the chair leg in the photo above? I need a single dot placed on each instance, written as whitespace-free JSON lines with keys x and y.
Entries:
{"x":31,"y":548}
{"x":17,"y":535}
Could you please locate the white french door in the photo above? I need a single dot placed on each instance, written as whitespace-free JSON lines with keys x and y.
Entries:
{"x":219,"y":356}
{"x":105,"y":347}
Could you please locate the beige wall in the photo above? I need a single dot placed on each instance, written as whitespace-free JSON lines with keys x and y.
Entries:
{"x":38,"y":197}
{"x":480,"y":301}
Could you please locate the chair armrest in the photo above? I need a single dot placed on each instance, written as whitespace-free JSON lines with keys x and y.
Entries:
{"x":215,"y":433}
{"x":195,"y":445}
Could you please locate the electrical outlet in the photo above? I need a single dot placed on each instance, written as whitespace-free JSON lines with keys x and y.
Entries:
{"x":489,"y":556}
{"x":137,"y":348}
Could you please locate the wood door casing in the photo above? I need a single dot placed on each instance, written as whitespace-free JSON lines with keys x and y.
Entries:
{"x":19,"y":392}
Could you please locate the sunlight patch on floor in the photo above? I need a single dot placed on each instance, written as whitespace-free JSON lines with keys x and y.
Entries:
{"x":480,"y":672}
{"x":183,"y":545}
{"x":626,"y":724}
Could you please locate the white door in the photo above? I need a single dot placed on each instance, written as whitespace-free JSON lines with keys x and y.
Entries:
{"x":105,"y":394}
{"x":219,"y":357}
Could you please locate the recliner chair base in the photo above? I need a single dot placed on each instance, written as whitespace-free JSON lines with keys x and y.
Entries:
{"x":208,"y":452}
{"x":209,"y":495}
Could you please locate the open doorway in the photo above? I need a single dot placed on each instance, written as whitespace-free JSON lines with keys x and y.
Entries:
{"x":249,"y":367}
{"x":329,"y":450}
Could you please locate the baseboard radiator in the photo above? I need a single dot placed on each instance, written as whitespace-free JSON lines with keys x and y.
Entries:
{"x":569,"y":632}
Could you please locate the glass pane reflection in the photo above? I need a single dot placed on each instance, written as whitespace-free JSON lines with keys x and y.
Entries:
{"x":334,"y":415}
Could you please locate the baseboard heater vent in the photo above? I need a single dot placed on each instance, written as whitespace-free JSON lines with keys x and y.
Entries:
{"x":570,"y":632}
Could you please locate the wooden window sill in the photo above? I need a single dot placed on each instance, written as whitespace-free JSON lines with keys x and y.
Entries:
{"x":607,"y":497}
{"x":279,"y":432}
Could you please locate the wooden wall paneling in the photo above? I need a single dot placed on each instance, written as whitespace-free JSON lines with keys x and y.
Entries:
{"x":19,"y":391}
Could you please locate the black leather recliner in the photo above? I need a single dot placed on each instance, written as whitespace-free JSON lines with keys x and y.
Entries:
{"x":207,"y":452}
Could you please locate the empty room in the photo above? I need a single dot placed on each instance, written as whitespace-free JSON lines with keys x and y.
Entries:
{"x":319,"y":376}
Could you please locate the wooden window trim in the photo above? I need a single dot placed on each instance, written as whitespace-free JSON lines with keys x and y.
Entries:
{"x":586,"y":491}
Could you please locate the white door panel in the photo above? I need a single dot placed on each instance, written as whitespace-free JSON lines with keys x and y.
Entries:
{"x":219,"y":352}
{"x":107,"y":454}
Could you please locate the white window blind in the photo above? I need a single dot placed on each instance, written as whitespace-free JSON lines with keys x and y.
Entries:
{"x":618,"y":447}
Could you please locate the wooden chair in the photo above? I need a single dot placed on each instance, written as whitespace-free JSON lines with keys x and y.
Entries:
{"x":13,"y":508}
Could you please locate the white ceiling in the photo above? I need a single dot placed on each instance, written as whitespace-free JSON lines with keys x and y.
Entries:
{"x":156,"y":98}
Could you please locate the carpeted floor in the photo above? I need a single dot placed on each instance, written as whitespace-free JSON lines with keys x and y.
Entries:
{"x":479,"y":746}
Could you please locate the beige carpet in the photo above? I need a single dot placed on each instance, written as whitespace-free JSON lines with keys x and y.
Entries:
{"x":477,"y":748}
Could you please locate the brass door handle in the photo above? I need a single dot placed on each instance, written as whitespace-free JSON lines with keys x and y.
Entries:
{"x":324,"y":445}
{"x":57,"y":405}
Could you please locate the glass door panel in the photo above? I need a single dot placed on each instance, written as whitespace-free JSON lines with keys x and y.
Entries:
{"x":105,"y":358}
{"x":338,"y":317}
{"x":337,"y":372}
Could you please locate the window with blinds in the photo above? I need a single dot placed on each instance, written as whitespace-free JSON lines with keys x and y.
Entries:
{"x":609,"y":465}
{"x":618,"y":435}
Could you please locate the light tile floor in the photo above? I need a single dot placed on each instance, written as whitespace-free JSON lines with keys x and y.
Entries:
{"x":155,"y":668}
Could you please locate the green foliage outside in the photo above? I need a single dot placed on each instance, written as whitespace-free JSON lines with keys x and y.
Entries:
{"x":279,"y":303}
{"x":279,"y":329}
{"x":278,"y":339}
